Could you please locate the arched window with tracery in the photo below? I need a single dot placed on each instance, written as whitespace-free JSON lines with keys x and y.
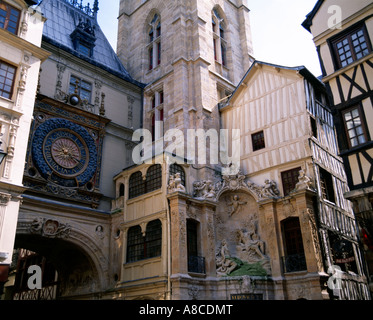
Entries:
{"x":219,"y":38}
{"x":154,"y":42}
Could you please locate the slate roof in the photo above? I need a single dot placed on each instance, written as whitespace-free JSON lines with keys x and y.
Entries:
{"x":62,"y":19}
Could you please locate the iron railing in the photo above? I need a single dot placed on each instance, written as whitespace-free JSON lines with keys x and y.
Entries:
{"x":196,"y":264}
{"x":294,"y":263}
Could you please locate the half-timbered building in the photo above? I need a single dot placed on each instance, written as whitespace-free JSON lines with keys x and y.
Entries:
{"x":343,"y":34}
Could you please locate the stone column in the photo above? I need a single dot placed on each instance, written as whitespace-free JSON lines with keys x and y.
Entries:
{"x":268,"y":222}
{"x":208,"y":237}
{"x":179,"y":252}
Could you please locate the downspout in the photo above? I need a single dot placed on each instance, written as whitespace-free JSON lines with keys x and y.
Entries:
{"x":168,"y":295}
{"x":167,"y":205}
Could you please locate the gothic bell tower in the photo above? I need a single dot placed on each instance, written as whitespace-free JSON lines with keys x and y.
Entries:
{"x":191,"y":54}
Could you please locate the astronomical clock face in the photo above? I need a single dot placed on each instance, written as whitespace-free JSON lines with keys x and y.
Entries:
{"x":64,"y":153}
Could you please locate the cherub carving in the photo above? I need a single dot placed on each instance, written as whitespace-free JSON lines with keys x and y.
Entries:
{"x":235,"y":204}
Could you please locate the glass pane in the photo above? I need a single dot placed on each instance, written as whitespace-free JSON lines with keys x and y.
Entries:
{"x":354,"y":142}
{"x":362,"y":139}
{"x":359,"y":130}
{"x":345,"y":42}
{"x":85,"y":95}
{"x":86,"y":85}
{"x":339,"y":45}
{"x":352,"y":133}
{"x":357,"y":122}
{"x":348,"y":116}
{"x":350,"y":125}
{"x":355,"y":113}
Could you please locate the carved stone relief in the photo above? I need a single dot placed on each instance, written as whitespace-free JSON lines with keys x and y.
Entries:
{"x":49,"y":228}
{"x":241,"y":251}
{"x":207,"y":189}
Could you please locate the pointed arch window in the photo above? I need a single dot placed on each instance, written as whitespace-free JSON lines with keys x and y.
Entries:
{"x":154,"y":45}
{"x":220,"y":43}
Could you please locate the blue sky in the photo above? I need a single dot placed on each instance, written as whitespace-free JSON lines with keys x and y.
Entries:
{"x":278,"y":36}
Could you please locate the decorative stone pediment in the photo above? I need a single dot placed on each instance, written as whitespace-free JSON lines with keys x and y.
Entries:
{"x":212,"y":191}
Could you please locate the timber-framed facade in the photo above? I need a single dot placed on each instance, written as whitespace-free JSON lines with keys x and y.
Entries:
{"x":346,"y":56}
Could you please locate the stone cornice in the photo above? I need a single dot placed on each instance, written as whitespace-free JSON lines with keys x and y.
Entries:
{"x":21,"y":44}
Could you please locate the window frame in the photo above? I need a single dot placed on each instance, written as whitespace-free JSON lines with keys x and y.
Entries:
{"x":13,"y":80}
{"x":363,"y":126}
{"x":347,"y":34}
{"x":140,"y":246}
{"x":154,"y":44}
{"x":328,"y":192}
{"x":80,"y":89}
{"x":137,"y":186}
{"x":135,"y":244}
{"x":7,"y":17}
{"x":288,"y":186}
{"x":156,"y":113}
{"x":219,"y":39}
{"x":254,"y":141}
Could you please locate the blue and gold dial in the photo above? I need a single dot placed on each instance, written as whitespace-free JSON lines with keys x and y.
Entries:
{"x":64,"y":153}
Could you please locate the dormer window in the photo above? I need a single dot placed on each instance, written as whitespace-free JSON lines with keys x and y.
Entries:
{"x":9,"y":17}
{"x":84,"y":38}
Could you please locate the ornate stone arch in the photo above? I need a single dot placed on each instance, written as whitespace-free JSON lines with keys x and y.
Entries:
{"x":60,"y":232}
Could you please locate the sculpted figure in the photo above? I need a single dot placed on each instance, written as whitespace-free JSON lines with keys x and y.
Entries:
{"x":235,"y":204}
{"x":224,"y":265}
{"x":270,"y":189}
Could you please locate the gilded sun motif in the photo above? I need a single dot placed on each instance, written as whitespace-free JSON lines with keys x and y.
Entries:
{"x":66,"y":153}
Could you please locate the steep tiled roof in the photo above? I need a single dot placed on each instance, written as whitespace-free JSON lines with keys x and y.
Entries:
{"x":63,"y":17}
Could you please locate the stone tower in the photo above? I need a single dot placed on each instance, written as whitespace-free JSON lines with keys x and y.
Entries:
{"x":191,"y":54}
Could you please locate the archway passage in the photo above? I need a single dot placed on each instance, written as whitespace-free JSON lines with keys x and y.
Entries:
{"x":67,"y":271}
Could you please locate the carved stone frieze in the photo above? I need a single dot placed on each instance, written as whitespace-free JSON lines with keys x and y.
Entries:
{"x":49,"y":228}
{"x":206,"y":189}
